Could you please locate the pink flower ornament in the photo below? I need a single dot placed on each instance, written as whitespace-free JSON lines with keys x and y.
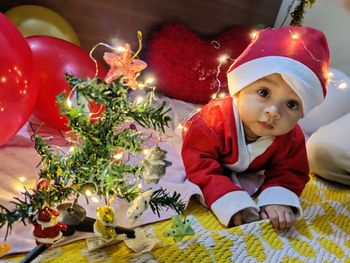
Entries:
{"x":123,"y":65}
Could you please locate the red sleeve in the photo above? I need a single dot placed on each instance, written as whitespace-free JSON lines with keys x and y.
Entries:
{"x":289,"y":168}
{"x":206,"y":140}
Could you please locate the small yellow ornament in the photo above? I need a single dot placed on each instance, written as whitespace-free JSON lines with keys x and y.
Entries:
{"x":104,"y":226}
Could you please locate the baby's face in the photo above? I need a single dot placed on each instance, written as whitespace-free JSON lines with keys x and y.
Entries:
{"x":269,"y":107}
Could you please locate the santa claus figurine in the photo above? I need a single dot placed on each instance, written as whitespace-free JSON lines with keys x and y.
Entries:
{"x":47,"y":229}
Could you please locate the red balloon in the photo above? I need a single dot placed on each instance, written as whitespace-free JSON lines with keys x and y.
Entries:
{"x":53,"y":58}
{"x":18,"y":90}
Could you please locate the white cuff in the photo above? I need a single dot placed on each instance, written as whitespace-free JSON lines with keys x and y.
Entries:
{"x":278,"y":195}
{"x":229,"y":204}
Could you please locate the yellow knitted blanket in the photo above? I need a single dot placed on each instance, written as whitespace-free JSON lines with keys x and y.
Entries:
{"x":323,"y":235}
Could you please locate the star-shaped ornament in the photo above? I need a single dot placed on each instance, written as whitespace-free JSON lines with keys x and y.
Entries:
{"x":123,"y":65}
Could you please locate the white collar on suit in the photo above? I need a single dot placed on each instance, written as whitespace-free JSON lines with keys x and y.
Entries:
{"x":247,"y":153}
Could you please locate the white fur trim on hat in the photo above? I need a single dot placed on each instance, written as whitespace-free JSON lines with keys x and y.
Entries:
{"x":299,"y":77}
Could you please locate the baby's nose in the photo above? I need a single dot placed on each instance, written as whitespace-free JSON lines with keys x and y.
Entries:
{"x":273,"y":111}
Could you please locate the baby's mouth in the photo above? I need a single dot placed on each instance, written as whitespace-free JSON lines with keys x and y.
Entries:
{"x":266,"y":125}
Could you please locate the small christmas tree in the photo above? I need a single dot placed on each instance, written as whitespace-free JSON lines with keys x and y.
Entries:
{"x":102,"y":142}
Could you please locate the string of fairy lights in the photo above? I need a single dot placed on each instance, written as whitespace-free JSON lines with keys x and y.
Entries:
{"x":119,"y":155}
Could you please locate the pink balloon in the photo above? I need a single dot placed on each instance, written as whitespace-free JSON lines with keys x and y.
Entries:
{"x":18,"y":90}
{"x":53,"y":58}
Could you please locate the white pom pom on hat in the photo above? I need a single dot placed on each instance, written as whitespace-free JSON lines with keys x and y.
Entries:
{"x":299,"y":54}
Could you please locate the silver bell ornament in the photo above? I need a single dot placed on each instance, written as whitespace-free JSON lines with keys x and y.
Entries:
{"x":154,"y":165}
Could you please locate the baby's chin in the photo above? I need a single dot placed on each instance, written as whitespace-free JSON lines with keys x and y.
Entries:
{"x":265,"y":133}
{"x":262,"y":130}
{"x":273,"y":133}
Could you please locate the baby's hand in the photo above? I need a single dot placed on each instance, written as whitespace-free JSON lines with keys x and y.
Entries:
{"x":237,"y":219}
{"x":244,"y":216}
{"x":281,"y":216}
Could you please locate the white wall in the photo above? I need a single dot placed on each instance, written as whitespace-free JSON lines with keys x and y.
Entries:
{"x":333,"y":18}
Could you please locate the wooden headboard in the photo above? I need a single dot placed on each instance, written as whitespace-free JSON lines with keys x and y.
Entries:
{"x":102,"y":20}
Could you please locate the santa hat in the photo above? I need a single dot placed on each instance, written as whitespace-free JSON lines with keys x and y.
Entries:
{"x":46,"y":214}
{"x":299,"y":54}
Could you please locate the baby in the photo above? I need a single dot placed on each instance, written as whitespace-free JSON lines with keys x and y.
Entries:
{"x":249,"y":143}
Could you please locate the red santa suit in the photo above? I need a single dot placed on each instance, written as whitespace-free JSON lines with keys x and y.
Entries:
{"x":215,"y":155}
{"x":214,"y":150}
{"x":47,"y":229}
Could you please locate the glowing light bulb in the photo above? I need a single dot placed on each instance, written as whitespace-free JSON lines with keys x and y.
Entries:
{"x":330,"y":75}
{"x":149,"y":81}
{"x":118,"y":156}
{"x":22,"y":179}
{"x":146,"y":151}
{"x":253,"y":34}
{"x":2,"y":109}
{"x":295,"y":36}
{"x":223,"y":58}
{"x":180,"y":126}
{"x":69,"y":103}
{"x":343,"y":85}
{"x":71,"y":149}
{"x":120,"y":49}
{"x":139,"y":100}
{"x":139,"y":185}
{"x":88,"y":193}
{"x":3,"y":79}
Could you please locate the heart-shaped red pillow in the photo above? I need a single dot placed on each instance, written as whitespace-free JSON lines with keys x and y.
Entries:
{"x":186,"y":66}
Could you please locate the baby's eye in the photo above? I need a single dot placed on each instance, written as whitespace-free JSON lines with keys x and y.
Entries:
{"x":263,"y":92}
{"x":292,"y":104}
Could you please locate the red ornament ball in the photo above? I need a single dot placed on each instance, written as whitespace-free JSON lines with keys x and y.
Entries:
{"x":43,"y":184}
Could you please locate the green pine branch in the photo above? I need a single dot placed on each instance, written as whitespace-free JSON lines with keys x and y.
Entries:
{"x":161,"y":199}
{"x":146,"y":116}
